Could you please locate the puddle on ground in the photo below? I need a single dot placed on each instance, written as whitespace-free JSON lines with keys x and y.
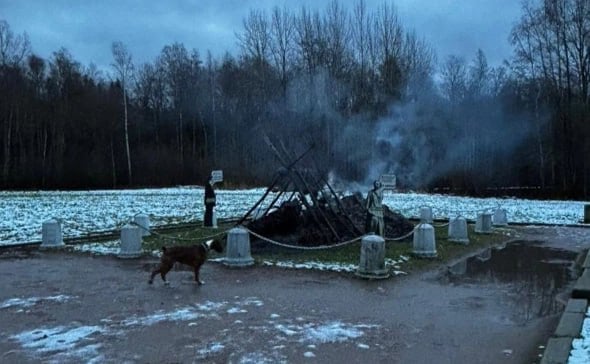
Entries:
{"x":531,"y":275}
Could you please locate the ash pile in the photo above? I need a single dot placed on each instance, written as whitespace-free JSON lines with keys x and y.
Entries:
{"x":301,"y":208}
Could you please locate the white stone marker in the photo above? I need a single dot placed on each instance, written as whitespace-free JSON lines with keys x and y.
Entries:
{"x":499,"y":218}
{"x":143,"y":222}
{"x":238,"y":248}
{"x":424,"y":242}
{"x":483,"y":225}
{"x":130,"y":242}
{"x":458,"y":230}
{"x":426,"y":215}
{"x":372,"y":260}
{"x":52,"y":236}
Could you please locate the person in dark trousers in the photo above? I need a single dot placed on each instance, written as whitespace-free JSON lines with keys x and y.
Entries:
{"x":209,"y":202}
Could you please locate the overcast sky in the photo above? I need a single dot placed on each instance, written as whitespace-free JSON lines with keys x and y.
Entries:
{"x":86,"y":28}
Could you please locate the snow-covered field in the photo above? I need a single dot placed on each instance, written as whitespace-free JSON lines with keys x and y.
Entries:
{"x":87,"y":212}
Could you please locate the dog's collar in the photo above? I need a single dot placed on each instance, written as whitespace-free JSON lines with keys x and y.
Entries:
{"x":205,"y":246}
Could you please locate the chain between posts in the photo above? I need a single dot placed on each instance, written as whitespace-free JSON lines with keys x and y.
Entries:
{"x":321,"y":247}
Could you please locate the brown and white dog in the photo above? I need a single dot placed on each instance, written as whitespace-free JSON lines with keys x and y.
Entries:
{"x":193,"y":256}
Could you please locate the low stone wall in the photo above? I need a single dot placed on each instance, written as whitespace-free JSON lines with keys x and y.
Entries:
{"x":569,"y":328}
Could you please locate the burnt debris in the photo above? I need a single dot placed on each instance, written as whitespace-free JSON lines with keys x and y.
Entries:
{"x":300,"y":207}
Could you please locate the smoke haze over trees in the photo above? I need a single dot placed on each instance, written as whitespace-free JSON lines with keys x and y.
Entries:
{"x":369,"y":93}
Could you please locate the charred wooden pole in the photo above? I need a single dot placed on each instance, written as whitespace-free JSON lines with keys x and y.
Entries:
{"x":274,"y":200}
{"x":274,"y":182}
{"x":312,"y":195}
{"x":316,"y":203}
{"x":301,"y":193}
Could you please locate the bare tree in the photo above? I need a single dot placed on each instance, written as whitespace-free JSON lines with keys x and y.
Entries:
{"x":124,"y":68}
{"x":282,"y":43}
{"x":454,"y":79}
{"x":479,"y":76}
{"x":255,"y":40}
{"x":13,"y":48}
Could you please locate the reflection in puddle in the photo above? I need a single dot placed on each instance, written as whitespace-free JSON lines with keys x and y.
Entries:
{"x":531,"y":275}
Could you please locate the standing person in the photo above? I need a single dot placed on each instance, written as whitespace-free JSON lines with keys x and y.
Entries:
{"x":374,"y":222}
{"x":209,"y":202}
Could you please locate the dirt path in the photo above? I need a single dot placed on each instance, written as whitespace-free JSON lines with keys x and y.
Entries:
{"x":82,"y":308}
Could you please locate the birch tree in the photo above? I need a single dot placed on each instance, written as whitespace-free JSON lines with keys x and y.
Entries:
{"x":124,"y":69}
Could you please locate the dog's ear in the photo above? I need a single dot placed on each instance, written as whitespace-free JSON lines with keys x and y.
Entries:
{"x":163,"y":249}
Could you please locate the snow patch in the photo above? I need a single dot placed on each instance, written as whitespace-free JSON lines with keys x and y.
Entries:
{"x":581,"y":346}
{"x":31,"y":301}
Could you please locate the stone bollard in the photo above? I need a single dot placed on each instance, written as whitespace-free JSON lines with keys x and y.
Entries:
{"x":424,"y":242}
{"x":52,"y":236}
{"x":130,"y":242}
{"x":143,"y":222}
{"x":499,"y":218}
{"x":238,"y":248}
{"x":458,"y":230}
{"x":372,"y":260}
{"x":586,"y":214}
{"x":483,"y":225}
{"x":426,"y":215}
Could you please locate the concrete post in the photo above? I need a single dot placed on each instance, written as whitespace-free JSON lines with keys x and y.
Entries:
{"x":458,"y":230}
{"x":238,"y":248}
{"x":424,"y":242}
{"x":52,"y":236}
{"x":130,"y":242}
{"x":499,"y":218}
{"x":143,"y":222}
{"x":426,"y":215}
{"x":483,"y":225}
{"x":372,"y":260}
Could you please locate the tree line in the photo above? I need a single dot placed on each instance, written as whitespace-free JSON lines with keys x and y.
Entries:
{"x":369,"y":94}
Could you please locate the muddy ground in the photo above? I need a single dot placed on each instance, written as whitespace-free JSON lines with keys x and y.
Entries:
{"x":84,"y":308}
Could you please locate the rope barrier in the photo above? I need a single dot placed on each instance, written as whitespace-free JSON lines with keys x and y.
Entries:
{"x":441,"y":225}
{"x":320,"y":247}
{"x":403,"y":236}
{"x":326,"y":246}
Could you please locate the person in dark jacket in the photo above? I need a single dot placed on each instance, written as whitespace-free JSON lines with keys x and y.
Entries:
{"x":209,"y":202}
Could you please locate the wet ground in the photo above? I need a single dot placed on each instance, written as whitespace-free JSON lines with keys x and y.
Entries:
{"x":500,"y":305}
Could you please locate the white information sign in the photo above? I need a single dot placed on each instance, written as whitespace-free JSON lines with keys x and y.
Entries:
{"x":216,"y":176}
{"x":388,"y":181}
